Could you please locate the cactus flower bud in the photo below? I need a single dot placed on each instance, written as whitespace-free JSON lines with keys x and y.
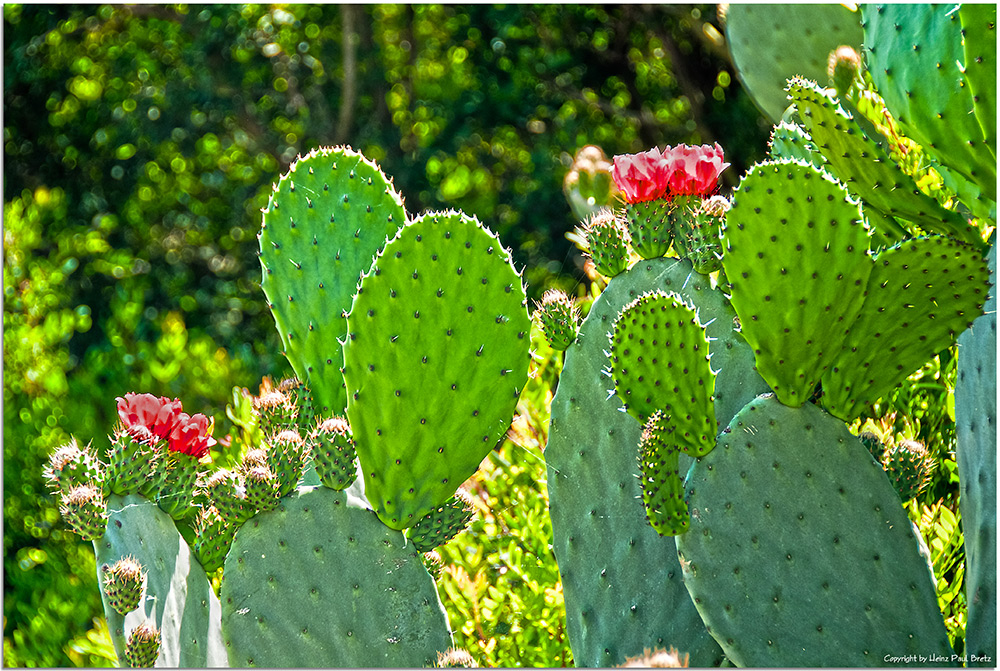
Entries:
{"x":334,"y":453}
{"x":143,"y":646}
{"x":606,"y":238}
{"x":262,"y":488}
{"x":213,"y":537}
{"x":228,"y":497}
{"x":85,"y":511}
{"x":443,"y":523}
{"x":123,"y":584}
{"x":287,"y":459}
{"x":843,"y":67}
{"x":559,"y":319}
{"x":908,"y":466}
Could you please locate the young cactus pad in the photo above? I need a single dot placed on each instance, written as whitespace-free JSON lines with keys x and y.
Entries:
{"x":435,"y":360}
{"x":660,"y":479}
{"x":179,"y":599}
{"x":326,"y":220}
{"x":866,"y":168}
{"x":320,"y":582}
{"x":660,"y":362}
{"x":601,"y":538}
{"x":799,"y":553}
{"x":921,"y":295}
{"x":796,"y":260}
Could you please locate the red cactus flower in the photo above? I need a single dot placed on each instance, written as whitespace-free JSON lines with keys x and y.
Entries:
{"x":158,"y":415}
{"x":694,"y":170}
{"x":641,"y":177}
{"x":192,"y":434}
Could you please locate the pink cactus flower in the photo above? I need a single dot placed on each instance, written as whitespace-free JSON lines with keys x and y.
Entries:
{"x":694,"y":170}
{"x":192,"y":435}
{"x":157,"y":415}
{"x":641,"y":177}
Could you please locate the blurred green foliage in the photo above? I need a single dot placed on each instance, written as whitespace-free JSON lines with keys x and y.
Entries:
{"x":140,"y":144}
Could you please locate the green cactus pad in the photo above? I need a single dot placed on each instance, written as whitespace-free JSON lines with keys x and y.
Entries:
{"x":622,"y":585}
{"x":796,"y":260}
{"x":179,"y":599}
{"x":773,"y":43}
{"x":914,"y":54}
{"x":976,"y":454}
{"x":649,"y":230}
{"x":660,"y":361}
{"x":659,"y":477}
{"x":320,"y":582}
{"x":799,"y":553}
{"x":326,"y":220}
{"x":866,"y":168}
{"x":979,"y":41}
{"x":791,"y":141}
{"x":436,"y":357}
{"x":921,"y":295}
{"x":441,"y":524}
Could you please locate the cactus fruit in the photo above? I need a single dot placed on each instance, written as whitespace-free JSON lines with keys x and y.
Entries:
{"x":455,"y":658}
{"x":275,"y":409}
{"x":659,"y":658}
{"x":795,"y":231}
{"x":799,"y":553}
{"x":697,"y":226}
{"x":261,"y":488}
{"x":435,"y":359}
{"x":908,"y":466}
{"x":322,"y":551}
{"x":659,"y":477}
{"x":976,"y":454}
{"x":327,"y":218}
{"x":227,"y":494}
{"x":177,"y":488}
{"x":443,"y":523}
{"x":133,"y":463}
{"x":123,"y":583}
{"x":71,"y":465}
{"x":559,"y":318}
{"x":334,"y":454}
{"x":606,"y":238}
{"x":649,"y":227}
{"x":143,"y":646}
{"x":286,"y":456}
{"x":213,"y":536}
{"x":600,"y":535}
{"x":85,"y":511}
{"x":660,"y":361}
{"x":873,"y":443}
{"x":807,"y":34}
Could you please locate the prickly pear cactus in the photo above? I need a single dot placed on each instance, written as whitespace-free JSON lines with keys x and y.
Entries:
{"x":319,"y":581}
{"x":976,"y":453}
{"x":179,"y":600}
{"x":327,"y":218}
{"x":435,"y":359}
{"x":622,"y":587}
{"x":799,"y":553}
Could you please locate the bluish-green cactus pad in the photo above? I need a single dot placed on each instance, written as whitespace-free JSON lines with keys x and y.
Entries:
{"x":320,"y":582}
{"x":179,"y":599}
{"x":799,"y":553}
